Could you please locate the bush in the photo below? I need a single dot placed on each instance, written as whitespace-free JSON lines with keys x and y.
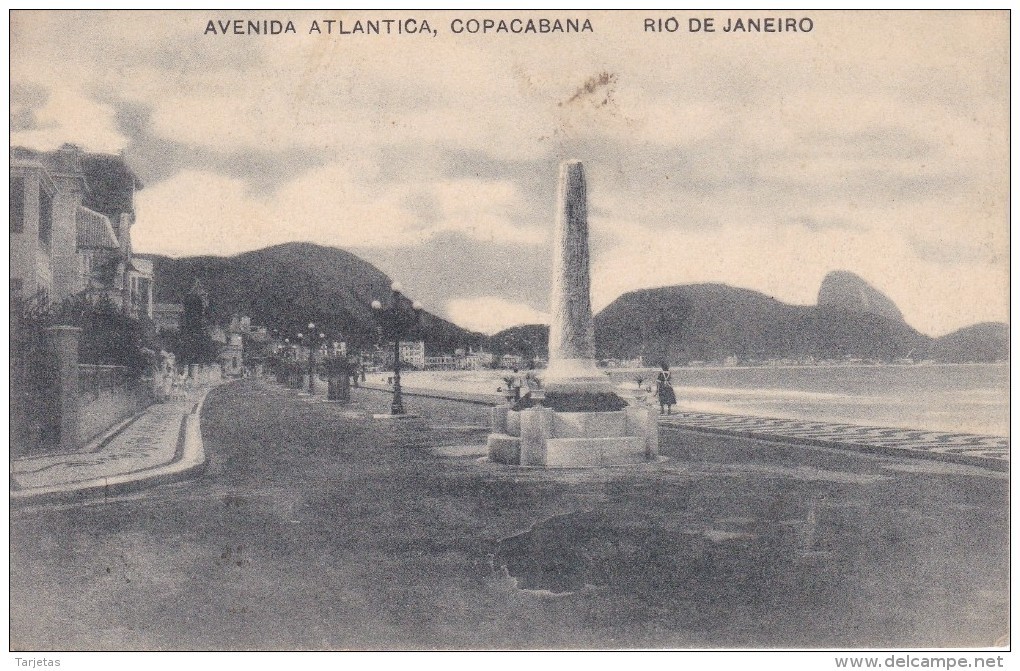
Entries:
{"x":109,"y":337}
{"x":336,"y":366}
{"x":584,"y":402}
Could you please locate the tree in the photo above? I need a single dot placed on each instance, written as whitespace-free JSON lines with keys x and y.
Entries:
{"x":108,"y":336}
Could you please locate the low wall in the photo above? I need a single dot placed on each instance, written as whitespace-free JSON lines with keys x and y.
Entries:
{"x":107,"y":395}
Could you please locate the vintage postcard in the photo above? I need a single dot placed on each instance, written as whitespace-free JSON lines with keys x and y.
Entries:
{"x":346,"y":330}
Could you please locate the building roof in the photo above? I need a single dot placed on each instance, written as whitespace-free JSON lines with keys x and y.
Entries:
{"x":113,"y":184}
{"x":94,"y":230}
{"x":143,"y":266}
{"x":64,"y":162}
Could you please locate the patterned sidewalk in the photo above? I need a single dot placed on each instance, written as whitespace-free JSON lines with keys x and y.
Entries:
{"x":164,"y":441}
{"x":989,"y":451}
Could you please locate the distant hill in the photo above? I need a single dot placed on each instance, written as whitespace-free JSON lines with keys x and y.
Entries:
{"x":705,"y":322}
{"x":287,"y":286}
{"x":845,"y":290}
{"x":988,"y":341}
{"x":709,"y":322}
{"x":529,"y":340}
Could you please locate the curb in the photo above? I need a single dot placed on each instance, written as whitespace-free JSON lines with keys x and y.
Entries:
{"x":189,"y":460}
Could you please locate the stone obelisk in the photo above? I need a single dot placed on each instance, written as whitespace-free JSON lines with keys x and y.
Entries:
{"x":571,"y":334}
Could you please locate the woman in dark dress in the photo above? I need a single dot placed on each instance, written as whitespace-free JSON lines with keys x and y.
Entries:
{"x":664,"y":390}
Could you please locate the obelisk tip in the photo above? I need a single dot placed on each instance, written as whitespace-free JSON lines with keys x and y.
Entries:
{"x":572,"y":172}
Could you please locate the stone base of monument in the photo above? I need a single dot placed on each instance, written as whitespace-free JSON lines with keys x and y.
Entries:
{"x":544,"y":437}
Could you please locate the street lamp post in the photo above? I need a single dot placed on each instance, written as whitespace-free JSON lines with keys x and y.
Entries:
{"x":297,"y":362}
{"x":337,"y":372}
{"x":397,"y":321}
{"x":311,"y":357}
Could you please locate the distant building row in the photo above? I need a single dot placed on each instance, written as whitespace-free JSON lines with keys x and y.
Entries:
{"x":413,"y":354}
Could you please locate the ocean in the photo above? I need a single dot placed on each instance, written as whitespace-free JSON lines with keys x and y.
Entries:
{"x":967,"y":398}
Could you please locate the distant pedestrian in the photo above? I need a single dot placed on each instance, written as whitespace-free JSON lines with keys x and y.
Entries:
{"x":524,"y":382}
{"x":664,"y":390}
{"x":515,"y":387}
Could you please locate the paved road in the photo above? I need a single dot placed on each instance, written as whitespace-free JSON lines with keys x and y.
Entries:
{"x":315,"y":527}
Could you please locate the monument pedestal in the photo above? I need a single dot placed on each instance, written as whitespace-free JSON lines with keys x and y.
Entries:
{"x":575,"y":376}
{"x":546,"y":438}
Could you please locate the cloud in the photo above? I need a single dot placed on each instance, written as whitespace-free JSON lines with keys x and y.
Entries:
{"x":338,"y":204}
{"x":201,"y":213}
{"x":483,"y":210}
{"x":26,"y":99}
{"x":787,"y":260}
{"x":155,"y":158}
{"x":67,"y":116}
{"x":452,"y":265}
{"x":490,"y":314}
{"x":878,"y":143}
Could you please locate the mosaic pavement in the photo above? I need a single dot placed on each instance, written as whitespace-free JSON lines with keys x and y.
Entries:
{"x":153,"y":439}
{"x":959,"y":447}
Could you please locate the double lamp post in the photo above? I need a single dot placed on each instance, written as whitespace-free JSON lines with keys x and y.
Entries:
{"x":397,"y":320}
{"x":312,"y":345}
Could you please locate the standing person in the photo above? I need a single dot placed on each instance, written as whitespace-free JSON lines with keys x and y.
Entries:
{"x":524,"y":389}
{"x":515,"y":387}
{"x":664,"y":390}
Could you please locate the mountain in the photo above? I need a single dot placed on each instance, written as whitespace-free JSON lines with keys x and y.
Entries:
{"x":709,"y":322}
{"x":845,"y":290}
{"x":529,"y":340}
{"x":704,"y":322}
{"x":988,"y":341}
{"x":287,"y":286}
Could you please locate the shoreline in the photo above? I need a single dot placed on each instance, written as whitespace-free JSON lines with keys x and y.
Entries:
{"x":966,"y":398}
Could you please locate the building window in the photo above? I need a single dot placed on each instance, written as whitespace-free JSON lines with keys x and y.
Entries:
{"x":45,"y":217}
{"x":17,"y":211}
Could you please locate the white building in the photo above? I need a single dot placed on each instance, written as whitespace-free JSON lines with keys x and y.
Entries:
{"x":477,"y":360}
{"x":511,"y":361}
{"x":413,"y":353}
{"x":232,"y":356}
{"x":443,"y":362}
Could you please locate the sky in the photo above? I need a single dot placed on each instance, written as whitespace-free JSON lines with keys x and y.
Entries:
{"x":876,"y":143}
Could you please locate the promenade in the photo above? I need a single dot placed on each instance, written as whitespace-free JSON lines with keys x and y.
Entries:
{"x":962,"y":448}
{"x":988,"y":451}
{"x":164,"y":444}
{"x":161,"y":444}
